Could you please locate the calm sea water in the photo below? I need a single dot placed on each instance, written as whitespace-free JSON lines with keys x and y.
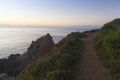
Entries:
{"x":17,"y":39}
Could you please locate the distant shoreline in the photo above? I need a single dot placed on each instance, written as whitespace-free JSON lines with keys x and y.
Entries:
{"x":14,"y":40}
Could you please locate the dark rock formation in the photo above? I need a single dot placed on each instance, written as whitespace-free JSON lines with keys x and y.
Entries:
{"x":38,"y":49}
{"x":4,"y":76}
{"x":3,"y":63}
{"x":11,"y":65}
{"x":16,"y":62}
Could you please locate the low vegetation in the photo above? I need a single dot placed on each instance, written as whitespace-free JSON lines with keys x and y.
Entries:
{"x":59,"y":63}
{"x":108,"y":42}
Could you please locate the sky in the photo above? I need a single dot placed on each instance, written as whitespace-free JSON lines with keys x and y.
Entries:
{"x":58,"y":12}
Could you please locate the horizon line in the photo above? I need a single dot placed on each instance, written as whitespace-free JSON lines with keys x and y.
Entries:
{"x":9,"y":25}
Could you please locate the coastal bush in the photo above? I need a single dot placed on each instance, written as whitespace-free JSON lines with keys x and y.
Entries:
{"x":108,"y":42}
{"x":59,"y":63}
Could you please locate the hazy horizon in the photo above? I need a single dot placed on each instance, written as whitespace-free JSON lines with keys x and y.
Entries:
{"x":58,"y":12}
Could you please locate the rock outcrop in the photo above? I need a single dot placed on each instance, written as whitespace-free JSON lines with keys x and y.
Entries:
{"x":38,"y":49}
{"x":4,"y":76}
{"x":16,"y":62}
{"x":11,"y":65}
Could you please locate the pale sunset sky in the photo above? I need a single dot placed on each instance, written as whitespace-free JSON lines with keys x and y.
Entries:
{"x":58,"y":12}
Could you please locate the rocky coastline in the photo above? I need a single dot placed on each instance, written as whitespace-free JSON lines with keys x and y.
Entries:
{"x":10,"y":67}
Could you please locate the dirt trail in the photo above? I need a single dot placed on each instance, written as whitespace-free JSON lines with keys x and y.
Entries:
{"x":89,"y":67}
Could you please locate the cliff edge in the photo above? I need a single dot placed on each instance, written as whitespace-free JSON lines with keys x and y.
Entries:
{"x":15,"y":63}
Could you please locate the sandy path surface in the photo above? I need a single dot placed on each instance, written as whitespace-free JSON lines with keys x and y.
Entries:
{"x":89,"y":67}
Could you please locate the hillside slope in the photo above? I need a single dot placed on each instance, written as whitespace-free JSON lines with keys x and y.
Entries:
{"x":58,"y":65}
{"x":108,"y":43}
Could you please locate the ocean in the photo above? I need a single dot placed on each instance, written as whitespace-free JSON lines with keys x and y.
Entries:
{"x":15,"y":40}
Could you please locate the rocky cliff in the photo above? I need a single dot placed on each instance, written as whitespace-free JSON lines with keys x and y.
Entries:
{"x":16,"y":63}
{"x":38,"y":49}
